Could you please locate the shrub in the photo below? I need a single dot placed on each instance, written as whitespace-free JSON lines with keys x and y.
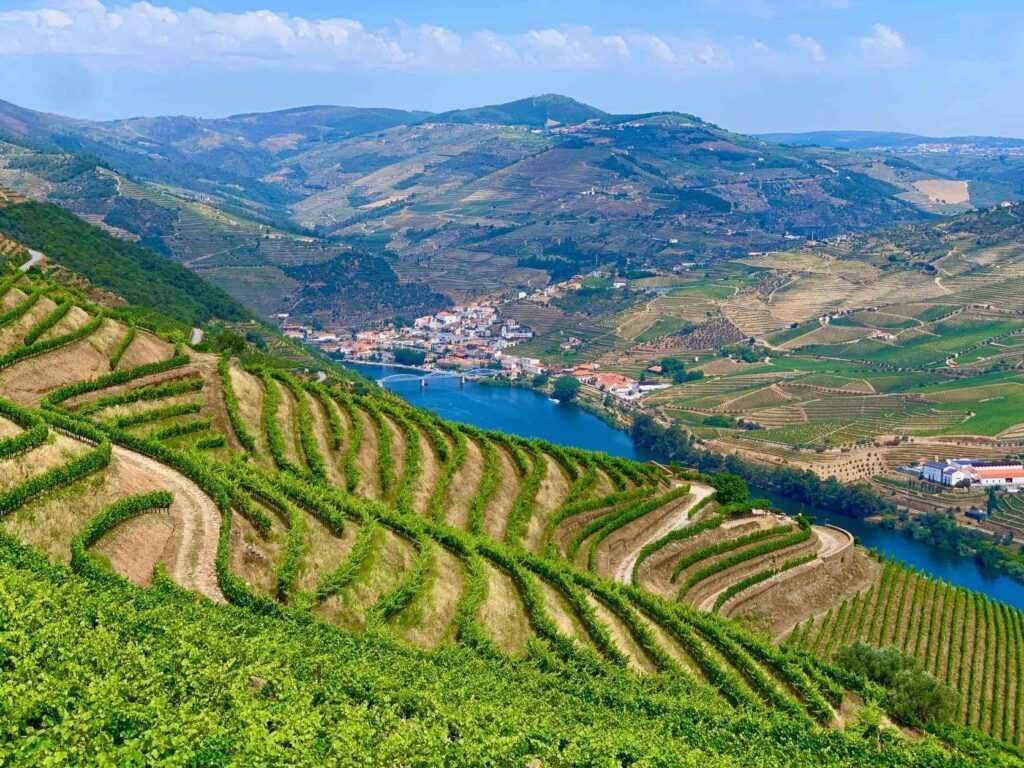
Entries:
{"x":913,"y":696}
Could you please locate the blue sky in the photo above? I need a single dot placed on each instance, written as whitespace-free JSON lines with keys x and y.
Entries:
{"x":937,"y":67}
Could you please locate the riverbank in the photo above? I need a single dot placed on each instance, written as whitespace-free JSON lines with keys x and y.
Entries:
{"x":523,"y":411}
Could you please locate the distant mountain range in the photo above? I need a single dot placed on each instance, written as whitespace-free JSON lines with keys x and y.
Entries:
{"x":469,"y":201}
{"x":886,"y":140}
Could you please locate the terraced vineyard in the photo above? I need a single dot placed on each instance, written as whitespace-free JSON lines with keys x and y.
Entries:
{"x":326,"y":501}
{"x":961,"y":637}
{"x":127,"y":455}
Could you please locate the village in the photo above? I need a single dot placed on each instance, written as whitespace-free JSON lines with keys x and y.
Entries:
{"x":467,"y":338}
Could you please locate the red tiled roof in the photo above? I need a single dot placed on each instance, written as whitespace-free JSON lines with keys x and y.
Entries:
{"x":988,"y":473}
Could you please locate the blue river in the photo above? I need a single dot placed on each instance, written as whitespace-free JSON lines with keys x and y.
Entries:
{"x":527,"y":413}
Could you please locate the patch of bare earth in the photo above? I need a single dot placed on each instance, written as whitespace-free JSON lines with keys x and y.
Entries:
{"x":27,"y":381}
{"x":550,"y":496}
{"x":504,"y":497}
{"x":567,"y":530}
{"x":189,"y":548}
{"x":464,"y":485}
{"x":249,"y":393}
{"x":323,"y":552}
{"x":794,"y":600}
{"x":253,"y":558}
{"x":321,"y":431}
{"x":430,"y":471}
{"x":623,"y":638}
{"x":366,"y":459}
{"x":503,"y":614}
{"x":618,"y":553}
{"x":287,"y":423}
{"x":145,"y":348}
{"x":562,"y":614}
{"x":655,"y":573}
{"x":383,"y":570}
{"x":428,"y":623}
{"x":397,"y":435}
{"x":55,"y":452}
{"x":13,"y":336}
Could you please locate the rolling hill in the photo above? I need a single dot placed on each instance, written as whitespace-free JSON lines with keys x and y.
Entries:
{"x":467,"y":201}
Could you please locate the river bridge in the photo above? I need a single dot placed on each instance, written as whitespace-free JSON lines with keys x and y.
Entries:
{"x":428,"y":375}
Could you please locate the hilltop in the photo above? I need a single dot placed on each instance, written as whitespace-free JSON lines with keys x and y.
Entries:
{"x":465,"y":202}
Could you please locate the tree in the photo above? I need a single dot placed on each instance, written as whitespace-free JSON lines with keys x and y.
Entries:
{"x":730,"y":488}
{"x":566,"y":389}
{"x":406,"y":356}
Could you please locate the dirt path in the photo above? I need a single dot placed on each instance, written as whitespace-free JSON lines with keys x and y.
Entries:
{"x":192,"y":547}
{"x":623,"y":572}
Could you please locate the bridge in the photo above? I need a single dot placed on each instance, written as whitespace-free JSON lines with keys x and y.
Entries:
{"x":472,"y":373}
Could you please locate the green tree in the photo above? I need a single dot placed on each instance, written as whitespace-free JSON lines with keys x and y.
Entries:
{"x":566,"y":389}
{"x":730,"y":488}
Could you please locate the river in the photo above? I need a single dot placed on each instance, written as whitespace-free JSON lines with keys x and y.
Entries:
{"x":527,"y":413}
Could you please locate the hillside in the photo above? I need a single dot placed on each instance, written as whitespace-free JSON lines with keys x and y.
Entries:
{"x":581,"y":596}
{"x":467,"y":201}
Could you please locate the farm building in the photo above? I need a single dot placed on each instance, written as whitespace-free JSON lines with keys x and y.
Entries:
{"x":966,"y":472}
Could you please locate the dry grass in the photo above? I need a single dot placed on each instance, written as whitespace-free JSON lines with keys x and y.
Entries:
{"x":503,"y":614}
{"x":428,"y":622}
{"x":550,"y":496}
{"x":383,"y":570}
{"x":464,"y":485}
{"x":497,"y":511}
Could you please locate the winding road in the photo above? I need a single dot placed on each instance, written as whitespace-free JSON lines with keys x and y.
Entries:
{"x":680,"y":519}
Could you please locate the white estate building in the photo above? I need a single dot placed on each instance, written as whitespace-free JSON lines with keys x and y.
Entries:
{"x":967,"y":472}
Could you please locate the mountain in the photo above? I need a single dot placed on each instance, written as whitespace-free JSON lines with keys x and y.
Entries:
{"x":471,"y":201}
{"x":289,"y":564}
{"x":886,"y":140}
{"x":543,"y":111}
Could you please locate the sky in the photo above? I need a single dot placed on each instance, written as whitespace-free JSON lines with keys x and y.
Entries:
{"x":934,"y":67}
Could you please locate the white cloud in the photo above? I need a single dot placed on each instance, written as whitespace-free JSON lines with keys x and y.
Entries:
{"x":145,"y":32}
{"x":807,"y":44}
{"x":884,"y":47}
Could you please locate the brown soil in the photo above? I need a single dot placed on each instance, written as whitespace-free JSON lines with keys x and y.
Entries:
{"x":383,"y":570}
{"x":567,"y":530}
{"x":655,"y":572}
{"x":72,"y":321}
{"x":145,"y":348}
{"x":366,"y":459}
{"x":672,"y":647}
{"x":253,"y":558}
{"x":503,"y":614}
{"x":710,"y":587}
{"x":617,"y":553}
{"x":463,"y":485}
{"x":397,"y":451}
{"x":550,"y":496}
{"x":13,"y":336}
{"x":50,"y":522}
{"x":429,"y":623}
{"x":249,"y":393}
{"x":793,"y":601}
{"x":28,"y":381}
{"x":430,"y":471}
{"x":133,"y":548}
{"x":8,"y":428}
{"x":55,"y":452}
{"x":500,"y":505}
{"x":321,"y":431}
{"x":562,"y":614}
{"x":601,"y":487}
{"x":323,"y":551}
{"x":286,"y":421}
{"x":187,"y":371}
{"x":623,"y":638}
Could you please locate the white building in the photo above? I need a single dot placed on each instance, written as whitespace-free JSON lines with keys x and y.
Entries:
{"x":967,"y":472}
